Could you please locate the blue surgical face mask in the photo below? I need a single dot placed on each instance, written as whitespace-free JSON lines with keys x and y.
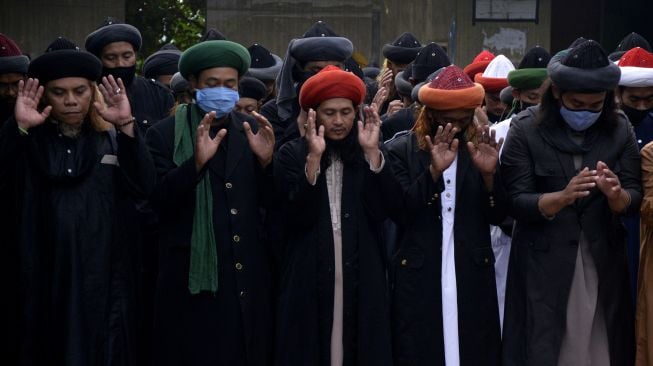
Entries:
{"x":219,"y":99}
{"x":579,"y":120}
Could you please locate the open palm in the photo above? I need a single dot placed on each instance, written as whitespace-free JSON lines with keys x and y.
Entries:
{"x":26,"y":108}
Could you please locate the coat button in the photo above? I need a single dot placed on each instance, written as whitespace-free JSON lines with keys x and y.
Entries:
{"x":239,"y":266}
{"x":234,"y":211}
{"x":70,"y":171}
{"x":486,"y":260}
{"x":236,"y":238}
{"x":346,"y":215}
{"x":144,"y":121}
{"x":404,"y":262}
{"x":242,"y":294}
{"x":228,"y":185}
{"x":69,"y":151}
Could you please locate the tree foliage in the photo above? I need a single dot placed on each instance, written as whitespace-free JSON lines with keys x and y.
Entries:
{"x":180,"y":22}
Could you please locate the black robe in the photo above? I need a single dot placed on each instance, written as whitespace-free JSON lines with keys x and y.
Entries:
{"x":543,"y":254}
{"x":234,"y":326}
{"x":417,"y":297}
{"x":305,"y":309}
{"x":402,"y":120}
{"x":284,"y":129}
{"x":74,"y":240}
{"x":151,"y":102}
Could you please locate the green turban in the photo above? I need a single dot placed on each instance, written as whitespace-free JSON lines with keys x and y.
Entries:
{"x":527,"y":78}
{"x":209,"y":54}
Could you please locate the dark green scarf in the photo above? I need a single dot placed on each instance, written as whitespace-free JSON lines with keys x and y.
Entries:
{"x":203,"y":272}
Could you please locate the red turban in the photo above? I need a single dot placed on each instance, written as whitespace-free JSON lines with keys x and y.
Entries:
{"x":331,"y":82}
{"x":451,"y":89}
{"x":636,"y":68}
{"x":479,"y":64}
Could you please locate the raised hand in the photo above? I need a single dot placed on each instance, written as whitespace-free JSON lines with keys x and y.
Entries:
{"x":314,"y":136}
{"x":301,"y":122}
{"x":443,"y":148}
{"x":579,"y":186}
{"x":26,"y":109}
{"x":485,"y":154}
{"x":607,"y":181}
{"x":205,"y":146}
{"x":261,"y":143}
{"x":394,"y":107}
{"x":380,"y":97}
{"x":368,"y":134}
{"x":116,"y":109}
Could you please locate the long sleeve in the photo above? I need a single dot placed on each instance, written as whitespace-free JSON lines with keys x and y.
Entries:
{"x":647,"y":184}
{"x":136,"y":164}
{"x":174,"y":182}
{"x":518,"y":175}
{"x":382,"y":193}
{"x":496,"y":202}
{"x":11,"y":143}
{"x":630,"y":172}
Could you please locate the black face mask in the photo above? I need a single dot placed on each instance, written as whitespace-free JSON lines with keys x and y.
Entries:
{"x":127,"y":74}
{"x":635,"y":115}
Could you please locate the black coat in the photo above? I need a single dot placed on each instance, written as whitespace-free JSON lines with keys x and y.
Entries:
{"x":417,"y":297}
{"x":305,"y":309}
{"x":150,"y":101}
{"x":234,"y":327}
{"x":402,"y":120}
{"x":284,"y":129}
{"x":543,"y":254}
{"x":74,"y":231}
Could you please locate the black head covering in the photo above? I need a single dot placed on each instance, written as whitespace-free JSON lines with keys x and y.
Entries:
{"x":629,"y":42}
{"x":12,"y":59}
{"x":584,"y":68}
{"x":265,"y":65}
{"x":63,"y":59}
{"x":249,"y":87}
{"x":429,"y":59}
{"x":321,"y":44}
{"x":352,"y":66}
{"x":320,"y":29}
{"x":537,"y":57}
{"x":162,"y":62}
{"x":112,"y":31}
{"x":403,"y":50}
{"x":213,"y":35}
{"x":371,"y":72}
{"x":178,"y":84}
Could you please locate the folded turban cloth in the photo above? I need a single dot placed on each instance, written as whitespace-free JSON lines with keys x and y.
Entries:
{"x":265,"y":65}
{"x":113,"y":32}
{"x":403,"y":50}
{"x":331,"y":82}
{"x":584,"y":68}
{"x":209,"y":54}
{"x":430,"y":58}
{"x":451,"y":89}
{"x":636,"y":68}
{"x":12,"y":59}
{"x":64,"y":59}
{"x":213,"y":35}
{"x":162,"y":62}
{"x":536,"y":58}
{"x":495,"y":76}
{"x":402,"y":82}
{"x":479,"y":63}
{"x":249,"y":87}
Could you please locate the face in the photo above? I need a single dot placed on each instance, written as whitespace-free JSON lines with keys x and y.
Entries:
{"x":269,"y":87}
{"x":532,"y":96}
{"x":580,"y":101}
{"x":164,"y":79}
{"x":493,"y":104}
{"x":118,"y":54}
{"x":316,"y":66}
{"x":337,"y":116}
{"x":70,"y":99}
{"x":460,"y":118}
{"x":215,"y":77}
{"x":9,"y":87}
{"x":247,"y":105}
{"x":638,"y":98}
{"x":395,"y":67}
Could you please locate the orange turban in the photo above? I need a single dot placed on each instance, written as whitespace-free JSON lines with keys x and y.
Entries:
{"x":331,"y":82}
{"x":451,"y":89}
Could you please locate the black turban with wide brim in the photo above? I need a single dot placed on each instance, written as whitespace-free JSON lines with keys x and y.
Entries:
{"x":63,"y":64}
{"x":164,"y":62}
{"x":584,"y":68}
{"x":116,"y":32}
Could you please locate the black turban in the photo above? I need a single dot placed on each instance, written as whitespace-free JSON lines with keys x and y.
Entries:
{"x":584,"y":68}
{"x":113,"y":32}
{"x":249,"y":87}
{"x":265,"y":65}
{"x":403,"y":50}
{"x":430,"y":58}
{"x":162,"y":62}
{"x":64,"y":59}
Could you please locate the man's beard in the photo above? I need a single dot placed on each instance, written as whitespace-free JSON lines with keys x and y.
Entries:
{"x":70,"y":131}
